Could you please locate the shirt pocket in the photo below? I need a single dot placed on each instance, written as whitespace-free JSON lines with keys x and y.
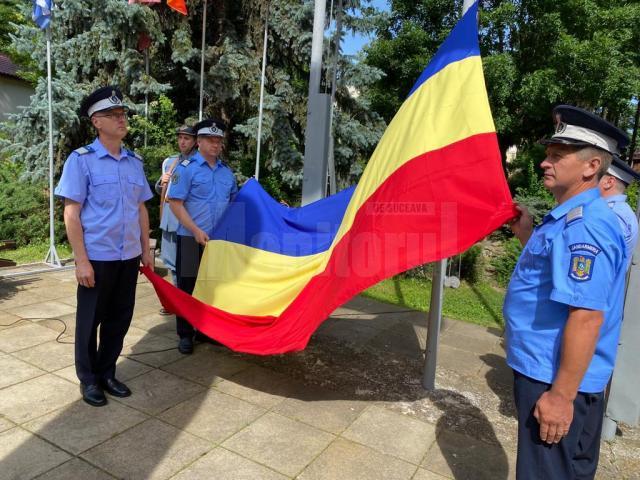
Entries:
{"x":201,"y":188}
{"x":105,"y":187}
{"x":225,"y":187}
{"x":135,"y":184}
{"x":535,"y":256}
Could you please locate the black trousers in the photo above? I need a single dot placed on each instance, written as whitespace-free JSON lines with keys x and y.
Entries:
{"x":575,"y":457}
{"x":188,"y":256}
{"x":109,"y":304}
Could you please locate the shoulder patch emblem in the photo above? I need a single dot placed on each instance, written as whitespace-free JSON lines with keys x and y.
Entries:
{"x":574,"y":214}
{"x":84,"y":150}
{"x":185,"y":162}
{"x":583,"y":259}
{"x":175,"y":178}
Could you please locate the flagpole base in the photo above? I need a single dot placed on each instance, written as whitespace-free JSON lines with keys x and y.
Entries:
{"x":52,"y":257}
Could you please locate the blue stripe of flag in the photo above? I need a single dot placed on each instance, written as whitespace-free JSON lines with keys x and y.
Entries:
{"x":461,"y":43}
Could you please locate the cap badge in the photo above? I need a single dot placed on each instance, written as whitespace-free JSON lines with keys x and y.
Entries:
{"x":561,"y":127}
{"x":114,"y":98}
{"x":214,"y":130}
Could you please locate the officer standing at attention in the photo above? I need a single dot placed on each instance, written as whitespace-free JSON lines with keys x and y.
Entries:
{"x":201,"y":188}
{"x":612,"y":187}
{"x":104,"y":190}
{"x":168,"y":221}
{"x":563,"y":306}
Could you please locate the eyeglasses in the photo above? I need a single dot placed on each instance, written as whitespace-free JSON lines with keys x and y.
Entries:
{"x":115,"y":115}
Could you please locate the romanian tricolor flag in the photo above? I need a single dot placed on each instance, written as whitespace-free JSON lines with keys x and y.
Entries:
{"x":270,"y":275}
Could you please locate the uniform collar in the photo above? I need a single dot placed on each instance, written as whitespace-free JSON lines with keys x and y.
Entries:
{"x":101,"y":151}
{"x":188,"y":156}
{"x":621,"y":197}
{"x":199,"y":159}
{"x":583,"y":198}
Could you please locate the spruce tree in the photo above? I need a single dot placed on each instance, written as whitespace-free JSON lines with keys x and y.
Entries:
{"x":95,"y":44}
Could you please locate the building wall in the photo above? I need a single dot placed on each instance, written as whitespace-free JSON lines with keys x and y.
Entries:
{"x":13,"y":94}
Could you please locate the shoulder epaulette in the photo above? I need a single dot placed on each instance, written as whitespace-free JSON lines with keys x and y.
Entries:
{"x":134,"y":154}
{"x":574,"y":214}
{"x":84,"y":150}
{"x":185,"y":162}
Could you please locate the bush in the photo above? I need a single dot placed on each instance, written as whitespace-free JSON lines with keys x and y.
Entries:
{"x":504,"y":263}
{"x":472,"y":267}
{"x":24,"y":208}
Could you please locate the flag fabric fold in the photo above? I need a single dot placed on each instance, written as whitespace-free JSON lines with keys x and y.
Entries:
{"x":42,"y":12}
{"x":178,"y":5}
{"x":434,"y":186}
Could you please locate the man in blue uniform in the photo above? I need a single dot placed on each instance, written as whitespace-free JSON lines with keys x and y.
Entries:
{"x":104,"y":190}
{"x":612,"y":187}
{"x":201,"y":188}
{"x":168,"y":221}
{"x":563,"y":306}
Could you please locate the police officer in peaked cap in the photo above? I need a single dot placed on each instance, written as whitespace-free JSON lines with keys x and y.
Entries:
{"x":613,"y":186}
{"x":563,"y":306}
{"x":104,"y":190}
{"x":201,"y":189}
{"x":186,"y":137}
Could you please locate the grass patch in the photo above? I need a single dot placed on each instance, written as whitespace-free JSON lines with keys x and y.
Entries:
{"x":480,"y":303}
{"x":35,"y":252}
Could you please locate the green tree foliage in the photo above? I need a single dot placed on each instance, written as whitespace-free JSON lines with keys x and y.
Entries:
{"x":10,"y":18}
{"x":504,"y":263}
{"x":536,"y":53}
{"x":96,"y":43}
{"x":24,"y":207}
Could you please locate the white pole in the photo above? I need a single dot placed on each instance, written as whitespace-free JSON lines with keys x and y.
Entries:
{"x":204,"y":29}
{"x":52,"y":256}
{"x":146,"y":95}
{"x":332,"y":161}
{"x":262,"y":82}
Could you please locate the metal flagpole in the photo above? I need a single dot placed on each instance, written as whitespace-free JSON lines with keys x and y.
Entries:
{"x":146,"y":95}
{"x":52,"y":256}
{"x":262,"y":82}
{"x":204,"y":29}
{"x":332,"y":164}
{"x":435,"y":306}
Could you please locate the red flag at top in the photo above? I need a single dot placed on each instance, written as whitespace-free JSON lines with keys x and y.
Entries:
{"x":178,"y":6}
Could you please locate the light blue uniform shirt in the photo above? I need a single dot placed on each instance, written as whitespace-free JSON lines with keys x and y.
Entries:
{"x":628,"y":222}
{"x":168,"y":221}
{"x":575,"y":258}
{"x":206,"y":191}
{"x":110,"y":191}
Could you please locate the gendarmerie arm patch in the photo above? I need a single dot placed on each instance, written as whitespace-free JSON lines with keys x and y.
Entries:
{"x":582,"y":261}
{"x":175,"y":178}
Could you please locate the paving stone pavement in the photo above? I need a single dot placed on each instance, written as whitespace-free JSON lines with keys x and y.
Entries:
{"x":350,"y":406}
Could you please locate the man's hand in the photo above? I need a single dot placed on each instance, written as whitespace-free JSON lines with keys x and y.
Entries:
{"x":201,"y":237}
{"x":147,"y":260}
{"x":165,"y":178}
{"x":554,"y":413}
{"x":522,"y":227}
{"x":85,"y":275}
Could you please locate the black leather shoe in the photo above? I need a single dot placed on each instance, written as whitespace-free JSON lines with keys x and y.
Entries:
{"x":185,"y":345}
{"x":115,"y":388}
{"x":93,"y":395}
{"x":202,"y":338}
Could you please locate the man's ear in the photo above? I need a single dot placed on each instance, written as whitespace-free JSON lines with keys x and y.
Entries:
{"x":593,"y":166}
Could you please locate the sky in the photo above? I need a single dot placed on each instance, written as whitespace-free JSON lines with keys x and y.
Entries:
{"x":352,"y":44}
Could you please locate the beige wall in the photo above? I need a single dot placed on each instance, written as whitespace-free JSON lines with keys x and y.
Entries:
{"x":13,"y":93}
